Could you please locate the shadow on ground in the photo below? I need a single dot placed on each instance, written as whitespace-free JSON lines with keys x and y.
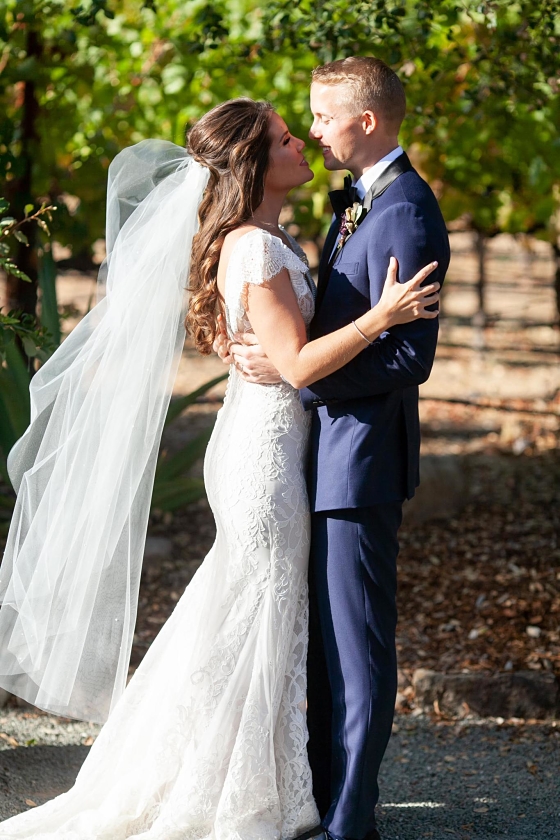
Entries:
{"x":471,"y":780}
{"x":36,"y":774}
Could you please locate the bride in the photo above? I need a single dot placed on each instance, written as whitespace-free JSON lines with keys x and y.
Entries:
{"x":208,"y":741}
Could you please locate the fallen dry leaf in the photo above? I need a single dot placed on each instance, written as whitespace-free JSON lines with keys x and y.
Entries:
{"x":532,"y":768}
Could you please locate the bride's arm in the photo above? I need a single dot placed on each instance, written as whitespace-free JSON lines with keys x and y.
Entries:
{"x":277,"y":322}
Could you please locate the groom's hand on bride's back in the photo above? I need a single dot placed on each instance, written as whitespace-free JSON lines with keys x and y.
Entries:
{"x":222,"y":343}
{"x":248,"y":357}
{"x":252,"y":362}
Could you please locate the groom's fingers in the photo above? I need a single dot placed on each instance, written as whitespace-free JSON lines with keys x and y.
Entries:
{"x":222,"y":325}
{"x":220,"y":346}
{"x":244,"y":360}
{"x":241,"y":351}
{"x":246,"y":339}
{"x":254,"y":365}
{"x":248,"y":352}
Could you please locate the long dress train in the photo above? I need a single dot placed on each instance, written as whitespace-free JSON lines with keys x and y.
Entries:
{"x":208,"y":742}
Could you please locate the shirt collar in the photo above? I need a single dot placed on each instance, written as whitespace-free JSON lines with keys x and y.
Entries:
{"x":365,"y":183}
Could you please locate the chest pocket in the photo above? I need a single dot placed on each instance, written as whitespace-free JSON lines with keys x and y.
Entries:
{"x":348,"y":268}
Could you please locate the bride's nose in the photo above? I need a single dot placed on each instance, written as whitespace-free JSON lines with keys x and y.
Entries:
{"x":300,"y":144}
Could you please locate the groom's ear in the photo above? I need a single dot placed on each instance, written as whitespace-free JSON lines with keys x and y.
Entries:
{"x":369,"y":122}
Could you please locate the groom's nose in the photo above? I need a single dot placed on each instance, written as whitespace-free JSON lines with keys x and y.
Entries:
{"x":313,"y":133}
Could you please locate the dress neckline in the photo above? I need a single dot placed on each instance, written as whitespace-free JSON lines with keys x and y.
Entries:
{"x":273,"y":236}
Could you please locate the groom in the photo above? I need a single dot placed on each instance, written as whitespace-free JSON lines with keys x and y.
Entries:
{"x":365,"y":436}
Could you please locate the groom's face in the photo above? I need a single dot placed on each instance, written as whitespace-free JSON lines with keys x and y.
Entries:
{"x":340,"y":135}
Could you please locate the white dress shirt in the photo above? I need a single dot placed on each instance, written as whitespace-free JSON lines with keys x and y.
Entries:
{"x":371,"y":175}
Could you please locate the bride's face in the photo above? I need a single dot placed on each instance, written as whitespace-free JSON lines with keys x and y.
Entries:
{"x":287,"y":168}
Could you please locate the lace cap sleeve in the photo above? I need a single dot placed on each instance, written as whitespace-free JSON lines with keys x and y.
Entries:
{"x":258,"y":257}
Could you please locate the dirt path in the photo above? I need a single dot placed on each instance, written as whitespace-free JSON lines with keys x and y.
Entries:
{"x":470,"y":780}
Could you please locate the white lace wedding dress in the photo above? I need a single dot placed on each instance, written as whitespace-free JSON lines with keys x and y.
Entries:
{"x":209,"y":739}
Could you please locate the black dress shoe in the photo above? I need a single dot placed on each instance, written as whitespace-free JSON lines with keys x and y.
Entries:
{"x":373,"y":835}
{"x":318,"y":832}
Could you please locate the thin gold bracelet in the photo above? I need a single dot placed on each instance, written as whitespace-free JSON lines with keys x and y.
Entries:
{"x":366,"y":339}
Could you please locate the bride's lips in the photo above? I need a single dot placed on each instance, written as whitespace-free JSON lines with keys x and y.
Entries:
{"x":304,"y":162}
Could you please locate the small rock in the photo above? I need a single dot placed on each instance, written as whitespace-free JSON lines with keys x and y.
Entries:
{"x":422,"y":674}
{"x":442,"y":492}
{"x":521,"y":694}
{"x":401,"y":702}
{"x":402,"y":680}
{"x":533,"y":631}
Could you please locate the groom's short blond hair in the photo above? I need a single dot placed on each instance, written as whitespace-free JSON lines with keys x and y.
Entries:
{"x":370,"y":85}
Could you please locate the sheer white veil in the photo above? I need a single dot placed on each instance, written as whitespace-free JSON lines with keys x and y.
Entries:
{"x":84,"y":469}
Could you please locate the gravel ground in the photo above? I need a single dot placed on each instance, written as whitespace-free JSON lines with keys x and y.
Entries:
{"x":472,"y":780}
{"x":40,"y":756}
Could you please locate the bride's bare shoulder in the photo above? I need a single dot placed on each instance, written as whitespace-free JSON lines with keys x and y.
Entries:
{"x":234,"y":236}
{"x":229,"y":243}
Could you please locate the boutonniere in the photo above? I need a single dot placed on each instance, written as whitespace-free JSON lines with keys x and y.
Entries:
{"x":350,"y":220}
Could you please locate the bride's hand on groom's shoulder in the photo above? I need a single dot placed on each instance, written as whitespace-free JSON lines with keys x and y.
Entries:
{"x":404,"y":302}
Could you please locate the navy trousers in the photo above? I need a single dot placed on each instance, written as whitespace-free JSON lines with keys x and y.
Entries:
{"x":352,"y":663}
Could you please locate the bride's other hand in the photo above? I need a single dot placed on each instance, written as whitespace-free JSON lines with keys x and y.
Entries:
{"x":252,"y":362}
{"x":405,"y":302}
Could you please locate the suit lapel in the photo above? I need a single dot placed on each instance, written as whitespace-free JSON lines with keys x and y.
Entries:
{"x":393,"y":171}
{"x":396,"y":168}
{"x":324,"y":271}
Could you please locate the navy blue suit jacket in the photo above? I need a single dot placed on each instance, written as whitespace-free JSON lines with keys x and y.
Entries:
{"x":365,"y":434}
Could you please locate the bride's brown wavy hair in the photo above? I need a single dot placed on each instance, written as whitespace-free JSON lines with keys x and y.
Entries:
{"x":233,"y":141}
